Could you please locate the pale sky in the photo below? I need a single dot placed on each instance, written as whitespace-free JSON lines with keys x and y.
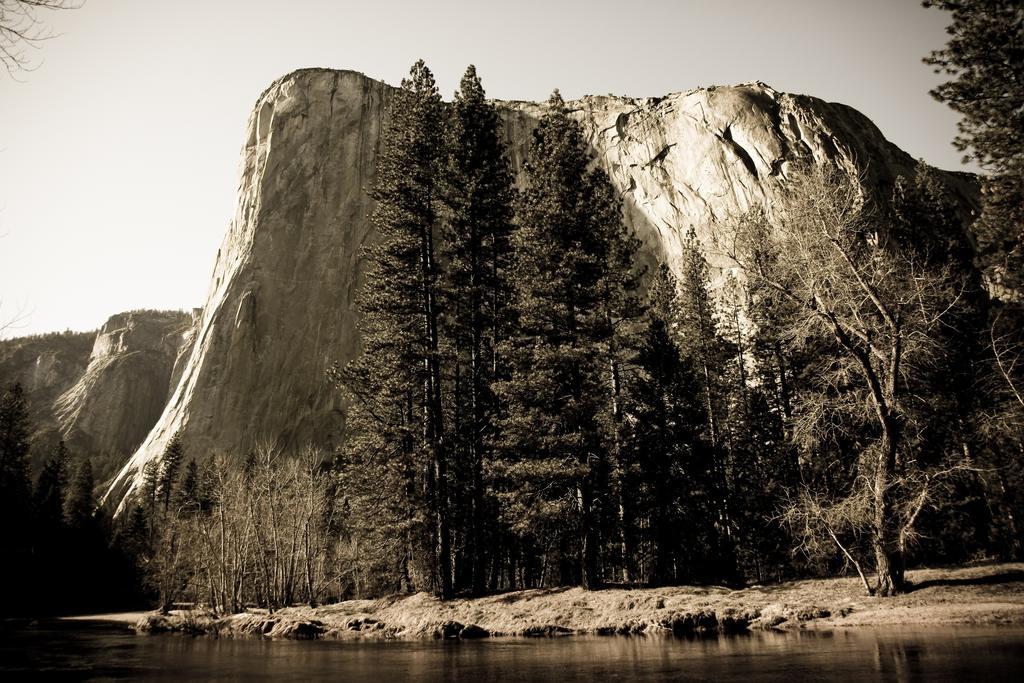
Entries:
{"x":119,"y":153}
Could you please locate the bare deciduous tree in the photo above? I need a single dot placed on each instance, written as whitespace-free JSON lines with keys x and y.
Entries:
{"x":881,"y":308}
{"x":261,"y":534}
{"x":1008,"y":355}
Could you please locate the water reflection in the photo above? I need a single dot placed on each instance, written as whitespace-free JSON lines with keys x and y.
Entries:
{"x":106,"y":651}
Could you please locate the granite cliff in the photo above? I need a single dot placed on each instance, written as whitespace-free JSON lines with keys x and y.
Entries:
{"x":100,"y":392}
{"x":118,"y":398}
{"x":280,"y":308}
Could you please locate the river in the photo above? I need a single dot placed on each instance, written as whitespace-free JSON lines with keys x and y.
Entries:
{"x":99,"y":650}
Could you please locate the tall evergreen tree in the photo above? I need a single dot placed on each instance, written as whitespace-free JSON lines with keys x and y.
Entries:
{"x":477,"y":194}
{"x":397,"y":418}
{"x":985,"y":58}
{"x":188,"y":492}
{"x":170,"y":465}
{"x":670,"y":482}
{"x":80,"y":504}
{"x":761,"y":465}
{"x":48,"y":496}
{"x":623,"y":312}
{"x":50,"y":542}
{"x":15,"y":487}
{"x":552,"y":444}
{"x":15,"y":430}
{"x":700,"y":340}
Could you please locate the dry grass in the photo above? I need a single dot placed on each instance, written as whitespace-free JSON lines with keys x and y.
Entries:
{"x":990,"y":594}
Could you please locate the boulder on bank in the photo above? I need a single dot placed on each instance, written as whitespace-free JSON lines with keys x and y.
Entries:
{"x":473,"y":631}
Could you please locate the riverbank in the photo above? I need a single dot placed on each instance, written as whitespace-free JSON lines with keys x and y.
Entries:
{"x":988,"y":594}
{"x":130,"y":618}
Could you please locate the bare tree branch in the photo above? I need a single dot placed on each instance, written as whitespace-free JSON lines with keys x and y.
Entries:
{"x":1007,"y":367}
{"x":22,"y":29}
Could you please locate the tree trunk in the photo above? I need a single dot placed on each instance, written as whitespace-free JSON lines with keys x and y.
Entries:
{"x":435,"y":421}
{"x":588,"y":548}
{"x":889,"y":563}
{"x":780,"y":360}
{"x":888,"y":566}
{"x":625,"y":551}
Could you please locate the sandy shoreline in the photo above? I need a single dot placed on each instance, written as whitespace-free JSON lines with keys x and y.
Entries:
{"x":116,"y":617}
{"x":988,"y":594}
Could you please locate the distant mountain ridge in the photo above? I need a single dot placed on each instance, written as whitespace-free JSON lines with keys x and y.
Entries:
{"x":101,"y":392}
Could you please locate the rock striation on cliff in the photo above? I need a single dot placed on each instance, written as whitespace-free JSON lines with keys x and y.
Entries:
{"x":280,"y":308}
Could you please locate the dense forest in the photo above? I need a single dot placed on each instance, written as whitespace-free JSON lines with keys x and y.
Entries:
{"x":533,"y":408}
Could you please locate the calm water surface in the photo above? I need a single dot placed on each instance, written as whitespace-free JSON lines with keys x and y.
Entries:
{"x":90,"y":650}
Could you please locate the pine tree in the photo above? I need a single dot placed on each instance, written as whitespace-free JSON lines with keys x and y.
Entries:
{"x":15,"y":493}
{"x":135,"y":535}
{"x":761,"y":464}
{"x":189,"y":495}
{"x":477,"y":194}
{"x":170,"y":465}
{"x":398,"y":435}
{"x":552,"y":446}
{"x":80,"y":504}
{"x":15,"y":485}
{"x":986,"y":61}
{"x":668,"y":417}
{"x":150,"y":487}
{"x":623,"y":314}
{"x":700,"y":340}
{"x":48,"y":496}
{"x":50,"y":541}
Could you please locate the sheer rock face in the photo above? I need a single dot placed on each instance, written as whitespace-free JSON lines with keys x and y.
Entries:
{"x":108,"y":412}
{"x":102,"y":402}
{"x":280,"y":309}
{"x":45,"y":365}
